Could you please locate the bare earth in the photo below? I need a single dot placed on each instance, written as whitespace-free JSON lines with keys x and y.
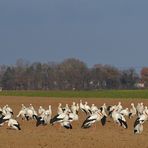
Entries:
{"x":110,"y":136}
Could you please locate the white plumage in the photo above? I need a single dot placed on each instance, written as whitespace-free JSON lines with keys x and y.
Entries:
{"x":13,"y":124}
{"x":97,"y":116}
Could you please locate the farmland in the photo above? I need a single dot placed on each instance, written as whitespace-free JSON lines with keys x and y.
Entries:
{"x":52,"y":136}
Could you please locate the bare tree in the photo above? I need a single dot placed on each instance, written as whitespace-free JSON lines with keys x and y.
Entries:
{"x":144,"y":75}
{"x":70,"y":74}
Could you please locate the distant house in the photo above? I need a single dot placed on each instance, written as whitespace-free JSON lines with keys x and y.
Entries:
{"x":139,"y":85}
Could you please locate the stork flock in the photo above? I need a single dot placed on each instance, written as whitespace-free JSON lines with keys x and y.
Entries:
{"x":69,"y":113}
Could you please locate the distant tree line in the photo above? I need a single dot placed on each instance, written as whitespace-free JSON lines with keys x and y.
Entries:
{"x":70,"y":74}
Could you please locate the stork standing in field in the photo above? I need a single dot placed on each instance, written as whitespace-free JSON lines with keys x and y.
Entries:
{"x":132,"y":111}
{"x":73,"y":115}
{"x":7,"y":109}
{"x":98,"y":115}
{"x":66,"y":123}
{"x":90,"y":120}
{"x":94,"y":108}
{"x":66,"y":108}
{"x":12,"y":123}
{"x":119,"y":107}
{"x":138,"y":129}
{"x":87,"y":108}
{"x":45,"y":117}
{"x":27,"y":112}
{"x":73,"y":107}
{"x":141,"y":118}
{"x":59,"y":117}
{"x":63,"y":119}
{"x":118,"y":117}
{"x":41,"y":110}
{"x":140,"y":108}
{"x":82,"y":108}
{"x":138,"y":124}
{"x":22,"y":113}
{"x":77,"y":108}
{"x":125,"y":112}
{"x":60,"y":110}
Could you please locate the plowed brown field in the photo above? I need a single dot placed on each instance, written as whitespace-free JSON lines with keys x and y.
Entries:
{"x":109,"y":136}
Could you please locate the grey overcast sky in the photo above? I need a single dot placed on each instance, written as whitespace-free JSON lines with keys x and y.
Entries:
{"x":111,"y":32}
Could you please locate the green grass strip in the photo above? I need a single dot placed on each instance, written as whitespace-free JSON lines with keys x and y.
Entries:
{"x":81,"y":94}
